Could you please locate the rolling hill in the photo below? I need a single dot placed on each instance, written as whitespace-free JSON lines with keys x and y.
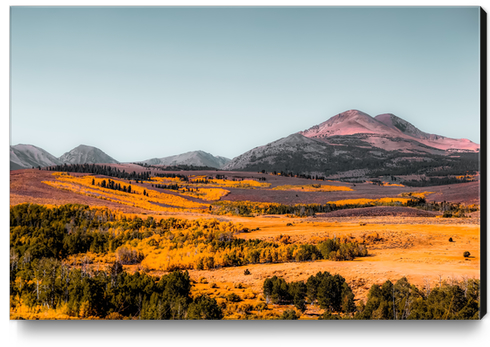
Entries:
{"x":195,"y":158}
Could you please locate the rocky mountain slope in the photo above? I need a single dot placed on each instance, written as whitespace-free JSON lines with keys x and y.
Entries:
{"x":388,"y":132}
{"x":86,"y":155}
{"x":27,"y":156}
{"x":195,"y":158}
{"x":354,"y":144}
{"x":431,"y":140}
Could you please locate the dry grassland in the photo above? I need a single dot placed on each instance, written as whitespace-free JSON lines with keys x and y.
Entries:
{"x":415,"y":247}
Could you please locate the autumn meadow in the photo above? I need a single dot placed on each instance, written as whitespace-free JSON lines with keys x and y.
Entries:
{"x":129,"y":241}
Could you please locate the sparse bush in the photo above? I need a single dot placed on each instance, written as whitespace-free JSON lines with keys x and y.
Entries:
{"x":261,"y":306}
{"x":246,"y":272}
{"x":213,"y":285}
{"x":286,"y":239}
{"x":221,"y":303}
{"x":203,"y":280}
{"x":142,"y":268}
{"x":233,"y":297}
{"x":245,"y":308}
{"x":447,"y":214}
{"x":129,"y":255}
{"x":270,"y":315}
{"x":204,"y":307}
{"x":230,"y":309}
{"x":249,"y":295}
{"x":289,"y":315}
{"x":114,"y":316}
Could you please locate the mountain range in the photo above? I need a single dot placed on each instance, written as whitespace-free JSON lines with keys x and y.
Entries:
{"x":350,"y":144}
{"x":195,"y":158}
{"x":27,"y":156}
{"x":397,"y":133}
{"x":354,"y":144}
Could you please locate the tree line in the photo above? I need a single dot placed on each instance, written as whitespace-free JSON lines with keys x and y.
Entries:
{"x":45,"y":284}
{"x":330,"y":292}
{"x":436,"y":181}
{"x":248,"y":208}
{"x":389,"y":301}
{"x":167,"y":244}
{"x":97,"y":169}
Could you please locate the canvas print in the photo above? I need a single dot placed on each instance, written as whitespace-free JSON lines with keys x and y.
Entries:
{"x":237,"y":163}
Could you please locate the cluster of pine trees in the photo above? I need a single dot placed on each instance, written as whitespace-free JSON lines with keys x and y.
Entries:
{"x":399,"y":301}
{"x":169,"y":244}
{"x":110,"y":184}
{"x":436,"y":181}
{"x":47,"y":284}
{"x":42,"y":279}
{"x":167,"y":186}
{"x":248,"y":208}
{"x":402,"y":300}
{"x":184,"y":178}
{"x":330,"y":292}
{"x":465,"y":163}
{"x":297,"y":175}
{"x":69,"y":229}
{"x":449,"y":209}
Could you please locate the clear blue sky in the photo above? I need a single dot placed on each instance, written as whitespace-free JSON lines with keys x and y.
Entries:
{"x":150,"y":82}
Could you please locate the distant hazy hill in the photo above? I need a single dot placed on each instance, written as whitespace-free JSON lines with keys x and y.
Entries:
{"x":195,"y":158}
{"x":355,"y":143}
{"x":86,"y":155}
{"x":27,"y":156}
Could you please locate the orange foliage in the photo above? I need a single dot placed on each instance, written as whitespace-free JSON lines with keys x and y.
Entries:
{"x":386,"y":184}
{"x":239,"y":184}
{"x":420,"y":195}
{"x":153,"y":200}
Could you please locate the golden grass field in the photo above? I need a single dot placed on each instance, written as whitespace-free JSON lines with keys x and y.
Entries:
{"x":414,"y":247}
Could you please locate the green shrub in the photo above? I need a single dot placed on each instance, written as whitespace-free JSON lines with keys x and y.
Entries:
{"x":233,"y":297}
{"x":289,"y":315}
